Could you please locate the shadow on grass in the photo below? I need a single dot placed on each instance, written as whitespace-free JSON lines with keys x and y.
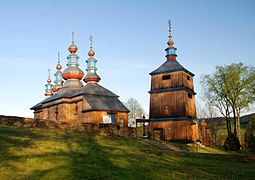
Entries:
{"x":72,"y":155}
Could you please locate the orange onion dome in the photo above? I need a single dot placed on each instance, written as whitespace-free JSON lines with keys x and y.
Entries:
{"x":72,"y":48}
{"x":170,"y":43}
{"x":58,"y":67}
{"x":91,"y":53}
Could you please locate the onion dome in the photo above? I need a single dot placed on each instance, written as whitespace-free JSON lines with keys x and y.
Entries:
{"x":91,"y":76}
{"x":48,"y":91}
{"x":170,"y":50}
{"x":58,"y":77}
{"x":73,"y":74}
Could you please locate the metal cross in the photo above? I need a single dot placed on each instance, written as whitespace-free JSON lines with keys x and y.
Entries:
{"x":48,"y":73}
{"x":169,"y":25}
{"x":90,"y":41}
{"x":72,"y":37}
{"x":58,"y":57}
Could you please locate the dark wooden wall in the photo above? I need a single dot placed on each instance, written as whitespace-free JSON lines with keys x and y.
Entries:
{"x":172,"y":104}
{"x":178,"y":130}
{"x":178,"y":79}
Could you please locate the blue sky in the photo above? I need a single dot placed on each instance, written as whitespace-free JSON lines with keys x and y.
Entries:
{"x":129,"y":41}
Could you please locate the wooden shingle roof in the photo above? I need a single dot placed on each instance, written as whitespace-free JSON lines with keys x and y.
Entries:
{"x":98,"y":97}
{"x":170,"y":66}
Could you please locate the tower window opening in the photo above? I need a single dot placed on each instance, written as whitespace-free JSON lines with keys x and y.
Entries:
{"x":188,"y":78}
{"x":76,"y":108}
{"x":56,"y":112}
{"x":165,"y":77}
{"x":189,"y":95}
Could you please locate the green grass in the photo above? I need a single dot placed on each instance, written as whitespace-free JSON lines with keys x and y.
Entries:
{"x":55,"y":154}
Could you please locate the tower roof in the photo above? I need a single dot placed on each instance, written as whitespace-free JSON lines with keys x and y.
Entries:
{"x":170,"y":66}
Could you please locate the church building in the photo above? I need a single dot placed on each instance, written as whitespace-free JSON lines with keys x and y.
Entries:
{"x":172,"y":99}
{"x":71,"y":101}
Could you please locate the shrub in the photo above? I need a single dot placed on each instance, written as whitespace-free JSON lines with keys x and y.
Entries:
{"x":232,"y":143}
{"x":251,"y":144}
{"x":249,"y":136}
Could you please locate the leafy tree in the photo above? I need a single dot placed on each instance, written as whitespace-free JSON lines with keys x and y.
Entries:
{"x":231,"y":89}
{"x":213,"y":92}
{"x":135,"y":108}
{"x":239,"y":88}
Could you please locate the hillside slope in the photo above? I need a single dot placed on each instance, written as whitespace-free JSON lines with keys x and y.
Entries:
{"x":55,"y":154}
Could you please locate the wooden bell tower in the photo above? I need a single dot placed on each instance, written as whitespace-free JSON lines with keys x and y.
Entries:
{"x":172,"y":99}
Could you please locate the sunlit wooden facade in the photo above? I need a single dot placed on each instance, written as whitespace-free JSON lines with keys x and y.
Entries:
{"x":172,"y":100}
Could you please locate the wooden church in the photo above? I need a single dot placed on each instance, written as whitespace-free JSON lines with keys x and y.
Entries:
{"x":73,"y":102}
{"x":172,"y":99}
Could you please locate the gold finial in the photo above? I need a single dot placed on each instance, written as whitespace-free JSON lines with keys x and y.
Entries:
{"x":73,"y":37}
{"x":90,"y":42}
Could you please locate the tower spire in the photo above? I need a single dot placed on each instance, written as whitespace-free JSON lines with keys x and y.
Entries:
{"x":73,"y":74}
{"x":91,"y":76}
{"x":58,"y":76}
{"x":170,"y":50}
{"x":48,"y":91}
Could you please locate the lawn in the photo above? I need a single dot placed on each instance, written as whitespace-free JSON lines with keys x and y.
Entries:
{"x":56,"y":154}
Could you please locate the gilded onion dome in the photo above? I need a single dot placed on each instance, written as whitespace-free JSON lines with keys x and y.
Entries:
{"x":91,"y":76}
{"x":73,"y":74}
{"x":48,"y":90}
{"x":170,"y":50}
{"x":58,"y":77}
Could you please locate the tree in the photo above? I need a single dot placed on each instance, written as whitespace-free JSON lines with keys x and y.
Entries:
{"x":213,"y":92}
{"x":136,"y":110}
{"x":240,"y":91}
{"x":230,"y":89}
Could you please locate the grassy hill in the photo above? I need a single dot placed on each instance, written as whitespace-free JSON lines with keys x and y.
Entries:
{"x":55,"y":154}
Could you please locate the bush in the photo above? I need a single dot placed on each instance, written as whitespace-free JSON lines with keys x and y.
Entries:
{"x":249,"y":136}
{"x":232,"y":143}
{"x":251,"y":144}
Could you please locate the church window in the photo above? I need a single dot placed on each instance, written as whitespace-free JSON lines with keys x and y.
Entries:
{"x":189,"y":95}
{"x":56,"y":112}
{"x":76,"y":108}
{"x":48,"y":110}
{"x":188,"y":78}
{"x":165,"y":77}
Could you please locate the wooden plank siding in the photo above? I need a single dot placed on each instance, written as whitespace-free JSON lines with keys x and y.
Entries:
{"x":96,"y":117}
{"x":172,"y":104}
{"x":177,"y":79}
{"x":177,"y":130}
{"x":72,"y":112}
